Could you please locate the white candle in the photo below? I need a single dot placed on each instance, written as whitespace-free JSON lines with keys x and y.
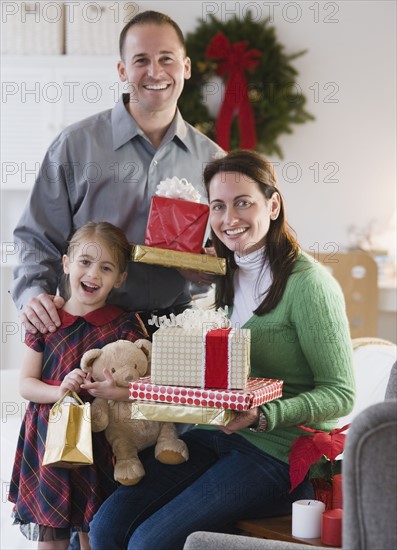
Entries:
{"x":306,"y":518}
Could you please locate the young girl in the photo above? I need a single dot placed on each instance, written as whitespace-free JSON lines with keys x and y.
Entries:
{"x":58,"y":500}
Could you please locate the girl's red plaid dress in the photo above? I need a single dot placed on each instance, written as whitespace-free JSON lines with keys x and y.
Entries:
{"x":59,"y":497}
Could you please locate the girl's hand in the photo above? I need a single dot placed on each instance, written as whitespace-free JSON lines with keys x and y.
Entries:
{"x":105,"y":389}
{"x":72,"y":381}
{"x":243,"y":419}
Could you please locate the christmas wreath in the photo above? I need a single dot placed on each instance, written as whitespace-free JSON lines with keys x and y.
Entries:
{"x":260,"y":98}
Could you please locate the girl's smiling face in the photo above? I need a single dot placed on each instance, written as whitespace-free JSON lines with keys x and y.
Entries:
{"x":240,"y":215}
{"x":93,"y":272}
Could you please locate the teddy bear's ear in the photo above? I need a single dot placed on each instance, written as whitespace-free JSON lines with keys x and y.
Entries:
{"x":146,"y":347}
{"x":88,"y":359}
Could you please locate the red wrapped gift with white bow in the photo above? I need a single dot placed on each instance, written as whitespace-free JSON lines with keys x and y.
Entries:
{"x":175,"y":222}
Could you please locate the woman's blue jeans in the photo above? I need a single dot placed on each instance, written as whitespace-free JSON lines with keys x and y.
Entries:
{"x":225,"y":479}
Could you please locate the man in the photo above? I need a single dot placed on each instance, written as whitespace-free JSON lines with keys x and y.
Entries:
{"x":107,"y":167}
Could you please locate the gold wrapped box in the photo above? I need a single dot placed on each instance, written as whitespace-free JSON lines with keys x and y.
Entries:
{"x":179,"y":260}
{"x":164,"y":412}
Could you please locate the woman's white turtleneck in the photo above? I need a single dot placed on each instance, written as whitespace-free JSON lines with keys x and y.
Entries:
{"x":251,"y":281}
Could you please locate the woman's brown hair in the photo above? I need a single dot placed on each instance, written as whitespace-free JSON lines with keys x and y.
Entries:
{"x":281,"y":248}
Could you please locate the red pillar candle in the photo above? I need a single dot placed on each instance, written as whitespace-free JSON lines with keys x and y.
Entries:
{"x":331,"y":527}
{"x":337,"y":501}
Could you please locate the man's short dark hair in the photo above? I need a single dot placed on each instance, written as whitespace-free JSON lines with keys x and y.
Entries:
{"x":147,"y":17}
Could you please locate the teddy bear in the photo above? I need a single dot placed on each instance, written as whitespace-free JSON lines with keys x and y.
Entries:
{"x":128,"y":361}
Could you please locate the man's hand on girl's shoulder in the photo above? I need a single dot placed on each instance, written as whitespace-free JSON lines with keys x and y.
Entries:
{"x":41,"y":313}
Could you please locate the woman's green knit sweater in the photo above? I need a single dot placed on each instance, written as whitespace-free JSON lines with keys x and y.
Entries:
{"x":305,"y":342}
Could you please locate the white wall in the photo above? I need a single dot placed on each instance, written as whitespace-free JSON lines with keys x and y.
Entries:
{"x":348,"y":76}
{"x":352,"y":58}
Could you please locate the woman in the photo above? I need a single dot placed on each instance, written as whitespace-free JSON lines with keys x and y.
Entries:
{"x":299,"y":333}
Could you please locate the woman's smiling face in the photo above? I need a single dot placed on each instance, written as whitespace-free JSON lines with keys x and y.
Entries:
{"x":240,"y":215}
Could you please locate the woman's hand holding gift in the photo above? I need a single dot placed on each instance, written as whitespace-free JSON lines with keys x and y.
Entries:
{"x":198,"y":277}
{"x":243,"y":419}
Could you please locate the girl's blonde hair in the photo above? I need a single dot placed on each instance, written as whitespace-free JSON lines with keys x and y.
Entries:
{"x":109,"y":234}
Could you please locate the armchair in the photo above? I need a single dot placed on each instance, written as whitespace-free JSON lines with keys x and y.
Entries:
{"x":369,"y":490}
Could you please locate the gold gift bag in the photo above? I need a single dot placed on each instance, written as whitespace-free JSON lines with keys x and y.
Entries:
{"x":69,"y":438}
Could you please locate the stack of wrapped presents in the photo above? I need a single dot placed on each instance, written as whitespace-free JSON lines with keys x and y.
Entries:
{"x":200,"y":365}
{"x":199,"y":372}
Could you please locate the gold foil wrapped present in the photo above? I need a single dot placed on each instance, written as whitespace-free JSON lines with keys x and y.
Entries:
{"x":180,"y":260}
{"x":164,"y":412}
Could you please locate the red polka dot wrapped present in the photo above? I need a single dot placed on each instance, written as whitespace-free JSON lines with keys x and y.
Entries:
{"x":257,"y":392}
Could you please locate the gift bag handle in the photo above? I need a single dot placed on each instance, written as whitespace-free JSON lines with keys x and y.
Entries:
{"x":73,"y":394}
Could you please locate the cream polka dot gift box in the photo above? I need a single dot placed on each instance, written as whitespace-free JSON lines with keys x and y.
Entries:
{"x":199,"y":348}
{"x":218,"y":358}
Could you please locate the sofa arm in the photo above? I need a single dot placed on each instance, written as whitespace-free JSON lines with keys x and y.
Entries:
{"x":203,"y":540}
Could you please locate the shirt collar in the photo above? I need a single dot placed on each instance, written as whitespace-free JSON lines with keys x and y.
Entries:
{"x":98,"y":317}
{"x":125,"y":128}
{"x":256,"y":256}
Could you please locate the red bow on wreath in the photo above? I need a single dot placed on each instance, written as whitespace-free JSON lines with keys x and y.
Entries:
{"x":234,"y":59}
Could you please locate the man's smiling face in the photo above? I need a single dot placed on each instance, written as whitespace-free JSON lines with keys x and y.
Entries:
{"x":155,"y":65}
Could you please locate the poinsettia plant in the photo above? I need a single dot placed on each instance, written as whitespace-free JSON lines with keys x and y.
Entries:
{"x":308,"y":450}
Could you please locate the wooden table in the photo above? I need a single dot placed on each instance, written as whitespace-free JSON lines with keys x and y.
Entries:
{"x":277,"y":528}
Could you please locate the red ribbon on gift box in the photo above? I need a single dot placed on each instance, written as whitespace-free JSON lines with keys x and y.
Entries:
{"x":234,"y":59}
{"x":217,"y":358}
